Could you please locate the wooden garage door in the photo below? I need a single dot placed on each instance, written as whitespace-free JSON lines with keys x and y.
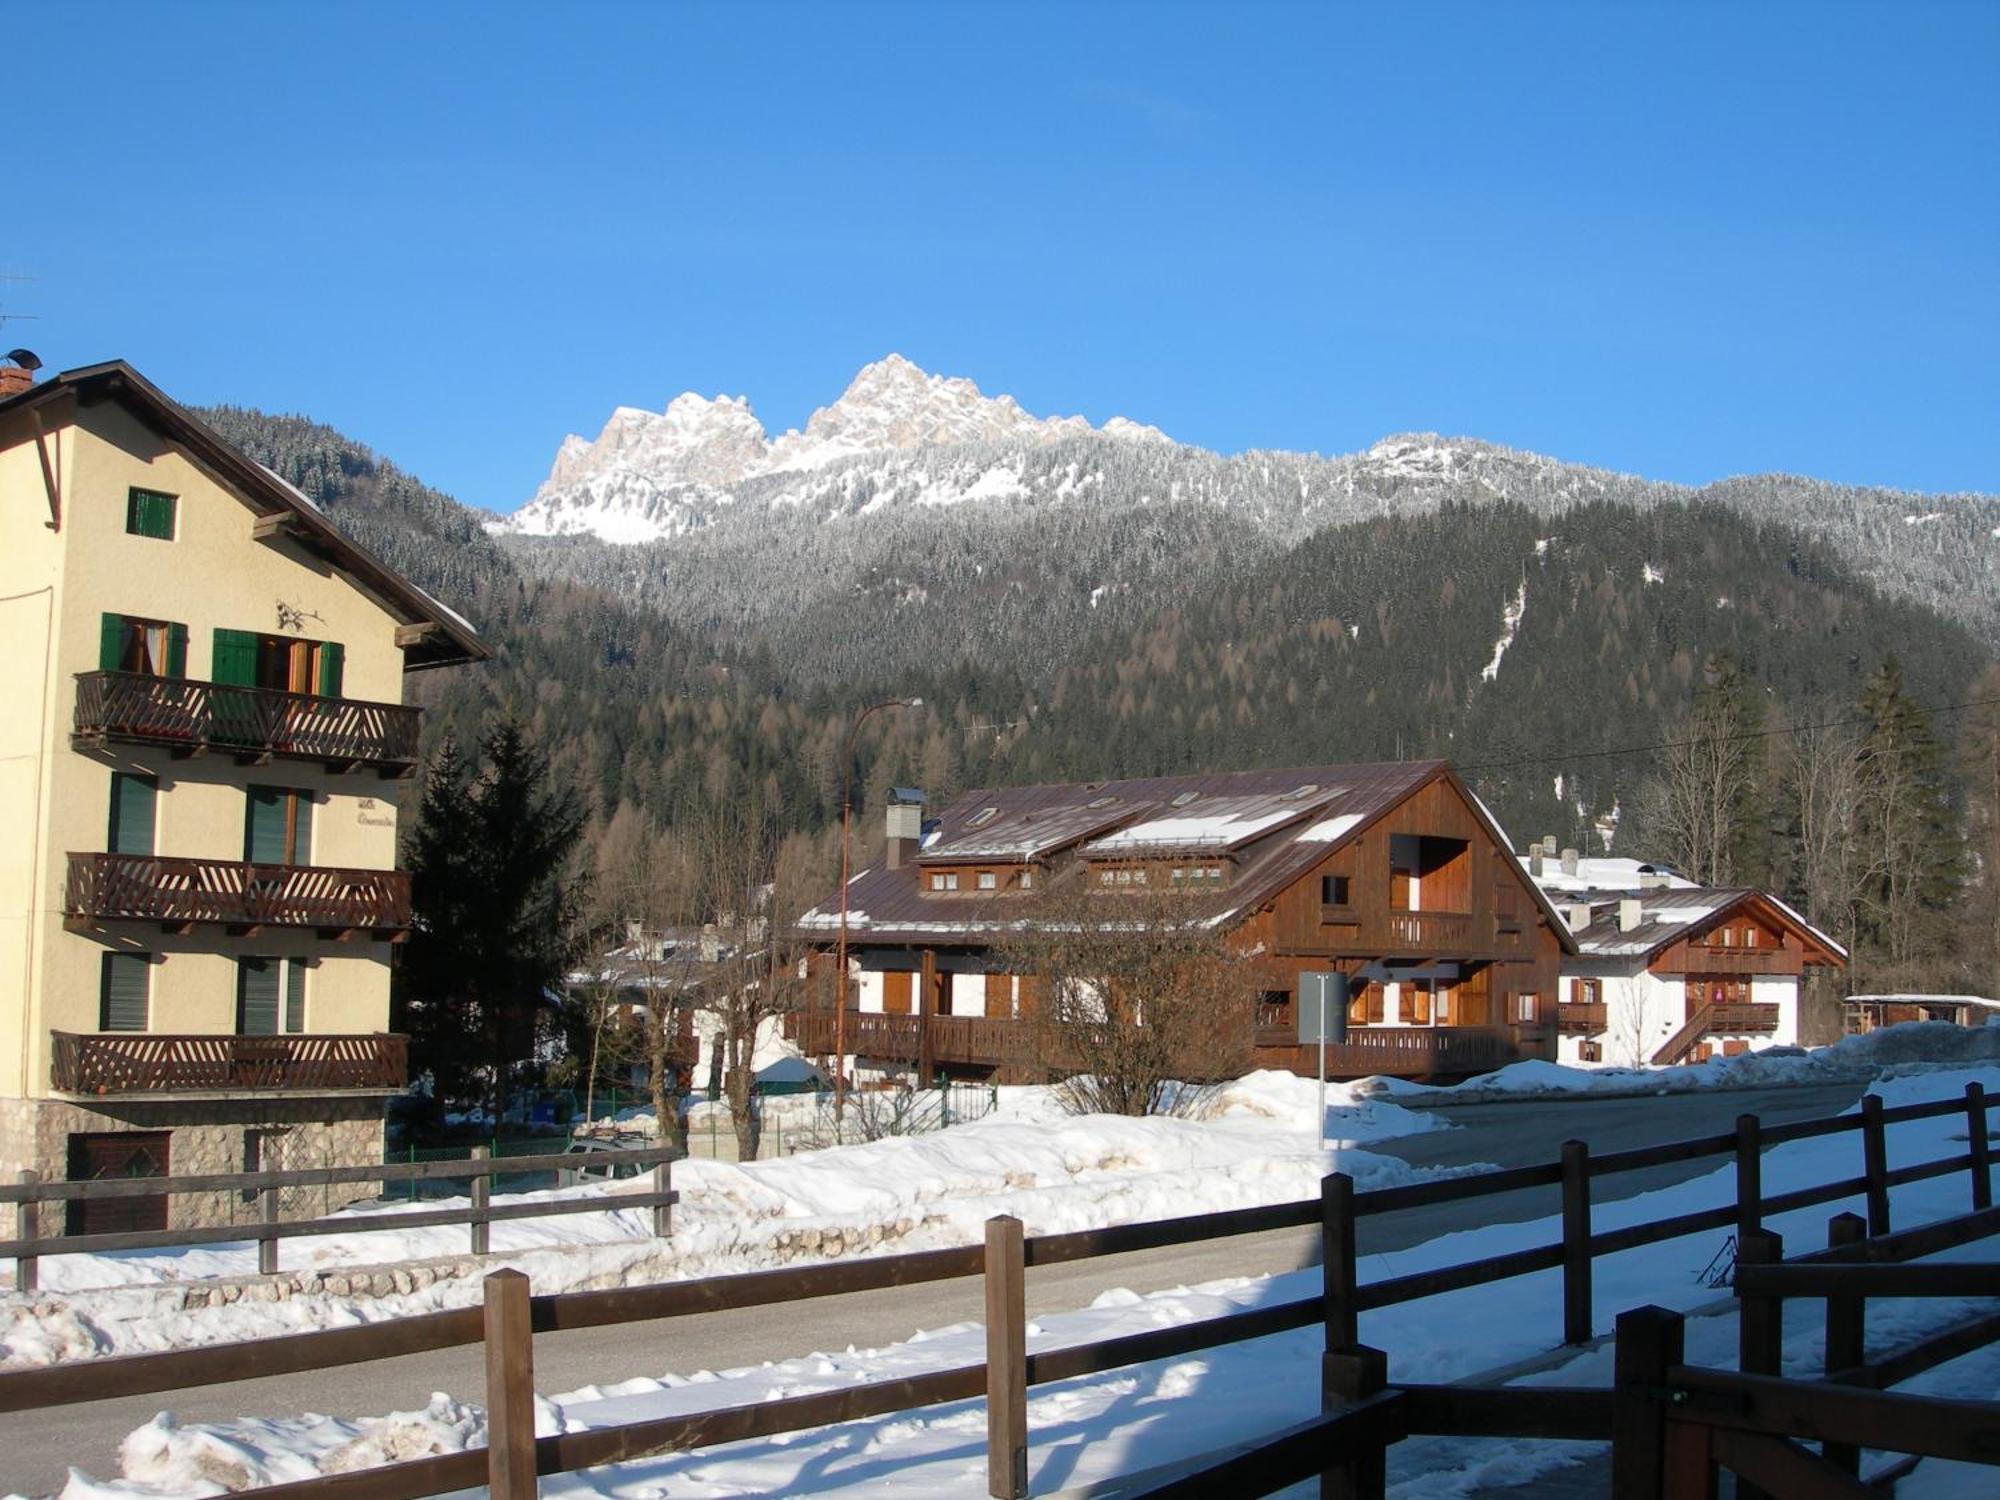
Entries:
{"x":117,"y":1154}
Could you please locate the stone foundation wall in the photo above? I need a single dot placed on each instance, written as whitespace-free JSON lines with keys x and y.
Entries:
{"x":207,"y":1137}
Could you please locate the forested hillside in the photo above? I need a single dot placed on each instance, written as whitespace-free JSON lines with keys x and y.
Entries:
{"x":1543,"y":652}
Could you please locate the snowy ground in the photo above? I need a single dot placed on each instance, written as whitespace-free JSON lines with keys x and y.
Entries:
{"x":1914,"y":1047}
{"x":1054,"y":1171}
{"x":1096,"y":1428}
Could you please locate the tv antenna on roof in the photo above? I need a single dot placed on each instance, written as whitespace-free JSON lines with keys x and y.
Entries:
{"x":15,"y":317}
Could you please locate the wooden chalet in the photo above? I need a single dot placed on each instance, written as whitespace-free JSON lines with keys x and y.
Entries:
{"x":1671,"y":972}
{"x":1391,"y":873}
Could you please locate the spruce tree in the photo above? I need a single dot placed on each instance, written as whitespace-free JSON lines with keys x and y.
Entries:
{"x":496,"y":905}
{"x":1913,"y":838}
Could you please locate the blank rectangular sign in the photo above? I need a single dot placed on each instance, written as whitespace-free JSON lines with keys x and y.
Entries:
{"x":1323,"y":1007}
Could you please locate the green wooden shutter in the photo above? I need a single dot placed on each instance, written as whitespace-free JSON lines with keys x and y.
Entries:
{"x":149,"y":513}
{"x":235,"y":658}
{"x":332,"y":662}
{"x":110,"y":642}
{"x":302,"y":838}
{"x":177,"y":650}
{"x":264,"y":825}
{"x":257,"y":996}
{"x":295,"y":995}
{"x":122,"y":992}
{"x":133,"y":803}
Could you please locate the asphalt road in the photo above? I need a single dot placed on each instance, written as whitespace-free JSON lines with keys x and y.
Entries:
{"x":37,"y":1448}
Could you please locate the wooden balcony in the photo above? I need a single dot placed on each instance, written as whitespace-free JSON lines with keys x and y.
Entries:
{"x":137,"y":1062}
{"x":1585,"y":1019}
{"x":1430,"y":932}
{"x":1742,"y":1020}
{"x":1701,"y":959}
{"x":191,"y":718}
{"x":979,"y":1041}
{"x":181,"y":894}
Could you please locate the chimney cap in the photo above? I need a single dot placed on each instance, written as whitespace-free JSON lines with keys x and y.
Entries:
{"x":27,"y":359}
{"x":906,"y":796}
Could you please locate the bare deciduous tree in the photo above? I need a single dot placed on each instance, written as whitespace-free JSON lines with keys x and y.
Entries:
{"x":1692,"y":810}
{"x":1137,"y":991}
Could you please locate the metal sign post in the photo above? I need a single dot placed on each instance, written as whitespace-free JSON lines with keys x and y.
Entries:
{"x":1322,"y":1017}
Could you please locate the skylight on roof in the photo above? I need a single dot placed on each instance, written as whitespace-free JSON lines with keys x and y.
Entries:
{"x":1185,"y":798}
{"x":981,"y":818}
{"x":1299,"y":792}
{"x":1100,"y":802}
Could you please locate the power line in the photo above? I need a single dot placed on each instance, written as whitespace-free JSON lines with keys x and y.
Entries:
{"x":1755,"y":734}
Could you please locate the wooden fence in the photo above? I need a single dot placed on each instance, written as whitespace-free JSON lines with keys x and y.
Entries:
{"x":1363,"y":1414}
{"x":29,"y":1245}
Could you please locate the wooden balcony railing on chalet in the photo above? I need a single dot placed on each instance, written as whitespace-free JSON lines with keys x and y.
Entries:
{"x":1724,"y":1019}
{"x":1429,"y":931}
{"x":192,"y":717}
{"x":136,"y":1062}
{"x":1409,"y":1051}
{"x":1703,"y":959}
{"x":182,"y":893}
{"x":1586,"y":1017}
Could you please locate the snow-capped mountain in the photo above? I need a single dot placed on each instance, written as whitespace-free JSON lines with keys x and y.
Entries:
{"x":651,"y":475}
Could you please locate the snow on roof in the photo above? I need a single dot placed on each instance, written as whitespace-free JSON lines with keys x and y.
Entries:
{"x":1210,"y":823}
{"x":1607,"y":874}
{"x":1331,"y":830}
{"x":1978,"y":1001}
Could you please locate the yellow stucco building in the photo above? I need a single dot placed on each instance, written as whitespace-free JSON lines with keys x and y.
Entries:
{"x":201,"y":751}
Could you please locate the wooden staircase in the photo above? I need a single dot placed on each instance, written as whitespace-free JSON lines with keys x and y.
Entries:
{"x":1684,"y":1041}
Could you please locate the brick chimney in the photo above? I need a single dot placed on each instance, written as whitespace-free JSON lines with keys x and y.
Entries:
{"x":906,"y":825}
{"x":14,"y":380}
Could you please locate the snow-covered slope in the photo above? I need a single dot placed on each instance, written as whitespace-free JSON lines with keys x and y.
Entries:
{"x":651,"y":475}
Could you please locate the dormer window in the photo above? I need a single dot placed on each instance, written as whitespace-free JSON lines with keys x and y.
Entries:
{"x":944,"y":880}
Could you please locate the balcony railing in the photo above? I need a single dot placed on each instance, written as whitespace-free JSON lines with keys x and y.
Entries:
{"x":137,"y":1062}
{"x":1702,"y":959}
{"x":1737,"y":1018}
{"x":184,"y":892}
{"x":1429,"y":931}
{"x":135,"y":708}
{"x":1585,"y":1017}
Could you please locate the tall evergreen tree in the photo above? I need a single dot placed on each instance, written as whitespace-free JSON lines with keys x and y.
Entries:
{"x":496,"y":903}
{"x":1912,"y":832}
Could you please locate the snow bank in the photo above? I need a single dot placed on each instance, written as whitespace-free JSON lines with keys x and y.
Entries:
{"x":1913,"y":1047}
{"x":1057,"y":1172}
{"x":1096,"y":1428}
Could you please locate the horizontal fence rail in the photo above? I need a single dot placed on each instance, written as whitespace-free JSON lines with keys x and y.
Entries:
{"x":1354,"y":1373}
{"x":184,"y":892}
{"x":189,"y":716}
{"x":28,"y":1246}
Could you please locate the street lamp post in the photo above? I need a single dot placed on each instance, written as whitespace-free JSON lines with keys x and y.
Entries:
{"x":840,"y":946}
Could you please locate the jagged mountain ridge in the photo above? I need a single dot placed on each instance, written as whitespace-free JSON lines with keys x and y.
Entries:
{"x":1065,"y":641}
{"x":702,"y":481}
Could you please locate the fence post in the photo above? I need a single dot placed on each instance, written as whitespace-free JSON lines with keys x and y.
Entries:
{"x":27,"y":1268}
{"x":1846,"y":1331}
{"x":1006,"y":1360}
{"x":267,"y":1247}
{"x":1875,"y":1162}
{"x":1351,"y":1373}
{"x":663,"y":1213}
{"x":1576,"y":1242}
{"x":1981,"y":1147}
{"x":510,"y":1388}
{"x":1760,"y":1332}
{"x":1749,"y":1175}
{"x":1336,"y":1229}
{"x":1651,"y":1341}
{"x":482,"y":1194}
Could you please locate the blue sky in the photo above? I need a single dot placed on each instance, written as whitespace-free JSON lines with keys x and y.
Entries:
{"x":1684,"y":241}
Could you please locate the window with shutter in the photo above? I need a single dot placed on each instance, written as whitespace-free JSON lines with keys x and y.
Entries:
{"x":149,"y":513}
{"x":126,"y":643}
{"x":257,"y":996}
{"x":134,"y":800}
{"x":234,"y":662}
{"x":123,"y":991}
{"x":295,"y":995}
{"x":332,"y":666}
{"x":277,"y":826}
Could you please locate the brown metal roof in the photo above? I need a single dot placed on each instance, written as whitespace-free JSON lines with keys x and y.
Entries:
{"x":449,"y":638}
{"x":1035,"y":822}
